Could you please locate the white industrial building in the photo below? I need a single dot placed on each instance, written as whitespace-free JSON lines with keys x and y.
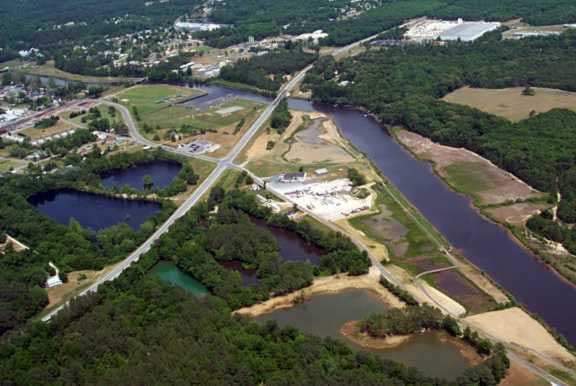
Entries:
{"x":422,"y":30}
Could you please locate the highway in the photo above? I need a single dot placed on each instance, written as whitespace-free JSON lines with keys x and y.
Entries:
{"x":205,"y":186}
{"x":228,"y":162}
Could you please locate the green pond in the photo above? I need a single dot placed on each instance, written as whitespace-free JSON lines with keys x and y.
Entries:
{"x":168,"y":272}
{"x":325,"y":314}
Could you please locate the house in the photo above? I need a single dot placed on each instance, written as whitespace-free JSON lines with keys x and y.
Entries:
{"x":10,"y":242}
{"x":293,"y":177}
{"x":321,"y":172}
{"x":53,"y":280}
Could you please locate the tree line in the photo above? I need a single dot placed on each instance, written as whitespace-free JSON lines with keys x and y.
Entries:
{"x":267,"y":71}
{"x":402,"y":86}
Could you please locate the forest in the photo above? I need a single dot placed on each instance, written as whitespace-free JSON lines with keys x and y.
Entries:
{"x":267,"y":71}
{"x":139,"y":331}
{"x":135,"y":325}
{"x":402,"y":86}
{"x":201,"y":242}
{"x":71,"y":247}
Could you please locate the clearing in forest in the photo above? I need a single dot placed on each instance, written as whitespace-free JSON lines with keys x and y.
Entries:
{"x":511,"y":103}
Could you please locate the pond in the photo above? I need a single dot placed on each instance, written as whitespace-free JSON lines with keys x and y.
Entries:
{"x":169,"y":273}
{"x":325,"y":314}
{"x":292,"y":246}
{"x":92,"y":211}
{"x":161,"y":171}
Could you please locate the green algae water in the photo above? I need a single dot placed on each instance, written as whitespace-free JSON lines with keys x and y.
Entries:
{"x":325,"y":314}
{"x":169,"y":273}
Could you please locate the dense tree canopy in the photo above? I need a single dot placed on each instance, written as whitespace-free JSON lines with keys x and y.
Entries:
{"x":402,"y":86}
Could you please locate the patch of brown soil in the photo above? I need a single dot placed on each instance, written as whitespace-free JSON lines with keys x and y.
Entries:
{"x":519,"y":375}
{"x":509,"y":103}
{"x":516,"y":213}
{"x":77,"y":280}
{"x":500,"y":186}
{"x":515,"y":326}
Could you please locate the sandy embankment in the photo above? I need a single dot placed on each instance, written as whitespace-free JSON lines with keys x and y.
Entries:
{"x":516,"y":327}
{"x":499,"y":186}
{"x":337,"y":283}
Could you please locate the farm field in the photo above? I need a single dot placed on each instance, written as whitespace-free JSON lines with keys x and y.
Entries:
{"x":509,"y":103}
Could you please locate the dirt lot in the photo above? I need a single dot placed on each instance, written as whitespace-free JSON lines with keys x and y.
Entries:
{"x":509,"y":103}
{"x":468,"y":172}
{"x":513,"y":325}
{"x":315,"y":144}
{"x":370,"y":281}
{"x":60,"y":127}
{"x":516,"y":213}
{"x":76,"y":281}
{"x":518,"y":375}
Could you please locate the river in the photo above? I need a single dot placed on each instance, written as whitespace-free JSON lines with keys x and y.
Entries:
{"x":486,"y":244}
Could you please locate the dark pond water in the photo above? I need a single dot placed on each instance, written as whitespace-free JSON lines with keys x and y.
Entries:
{"x":292,"y":246}
{"x":168,"y":272}
{"x":248,"y":275}
{"x":92,"y":211}
{"x":486,"y":244}
{"x":161,"y":171}
{"x":325,"y":314}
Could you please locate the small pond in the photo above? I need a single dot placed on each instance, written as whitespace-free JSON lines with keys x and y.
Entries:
{"x":169,"y":273}
{"x":92,"y":211}
{"x":292,"y":246}
{"x":325,"y":314}
{"x":161,"y":171}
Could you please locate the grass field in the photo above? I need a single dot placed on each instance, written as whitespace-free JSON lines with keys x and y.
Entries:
{"x":509,"y":103}
{"x":7,"y":165}
{"x":156,"y":108}
{"x":49,"y":70}
{"x":104,"y":113}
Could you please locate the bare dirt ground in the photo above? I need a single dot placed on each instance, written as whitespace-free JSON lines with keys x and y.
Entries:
{"x":370,"y":281}
{"x":520,"y":376}
{"x":509,"y":103}
{"x":59,"y":294}
{"x":515,"y":326}
{"x":378,"y":250}
{"x":315,"y":144}
{"x":468,"y":172}
{"x":415,"y":289}
{"x":515,"y":213}
{"x":60,"y":127}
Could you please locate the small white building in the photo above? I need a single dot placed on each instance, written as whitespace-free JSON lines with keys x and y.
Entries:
{"x":321,"y":172}
{"x":293,"y":177}
{"x":54,"y":280}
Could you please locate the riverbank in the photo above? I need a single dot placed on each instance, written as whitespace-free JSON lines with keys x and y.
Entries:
{"x":330,"y":284}
{"x":497,"y":195}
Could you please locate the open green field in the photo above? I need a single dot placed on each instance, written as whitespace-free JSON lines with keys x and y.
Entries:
{"x":468,"y":178}
{"x":7,"y":165}
{"x":151,"y":98}
{"x":49,"y":70}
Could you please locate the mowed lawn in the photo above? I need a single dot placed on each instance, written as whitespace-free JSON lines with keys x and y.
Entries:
{"x":156,"y":108}
{"x":510,"y":103}
{"x":151,"y":98}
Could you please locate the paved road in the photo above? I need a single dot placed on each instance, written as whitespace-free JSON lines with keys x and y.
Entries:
{"x":204,"y":187}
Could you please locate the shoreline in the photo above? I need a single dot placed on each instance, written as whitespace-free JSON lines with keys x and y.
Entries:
{"x":475,"y":206}
{"x":325,"y":285}
{"x":350,"y":331}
